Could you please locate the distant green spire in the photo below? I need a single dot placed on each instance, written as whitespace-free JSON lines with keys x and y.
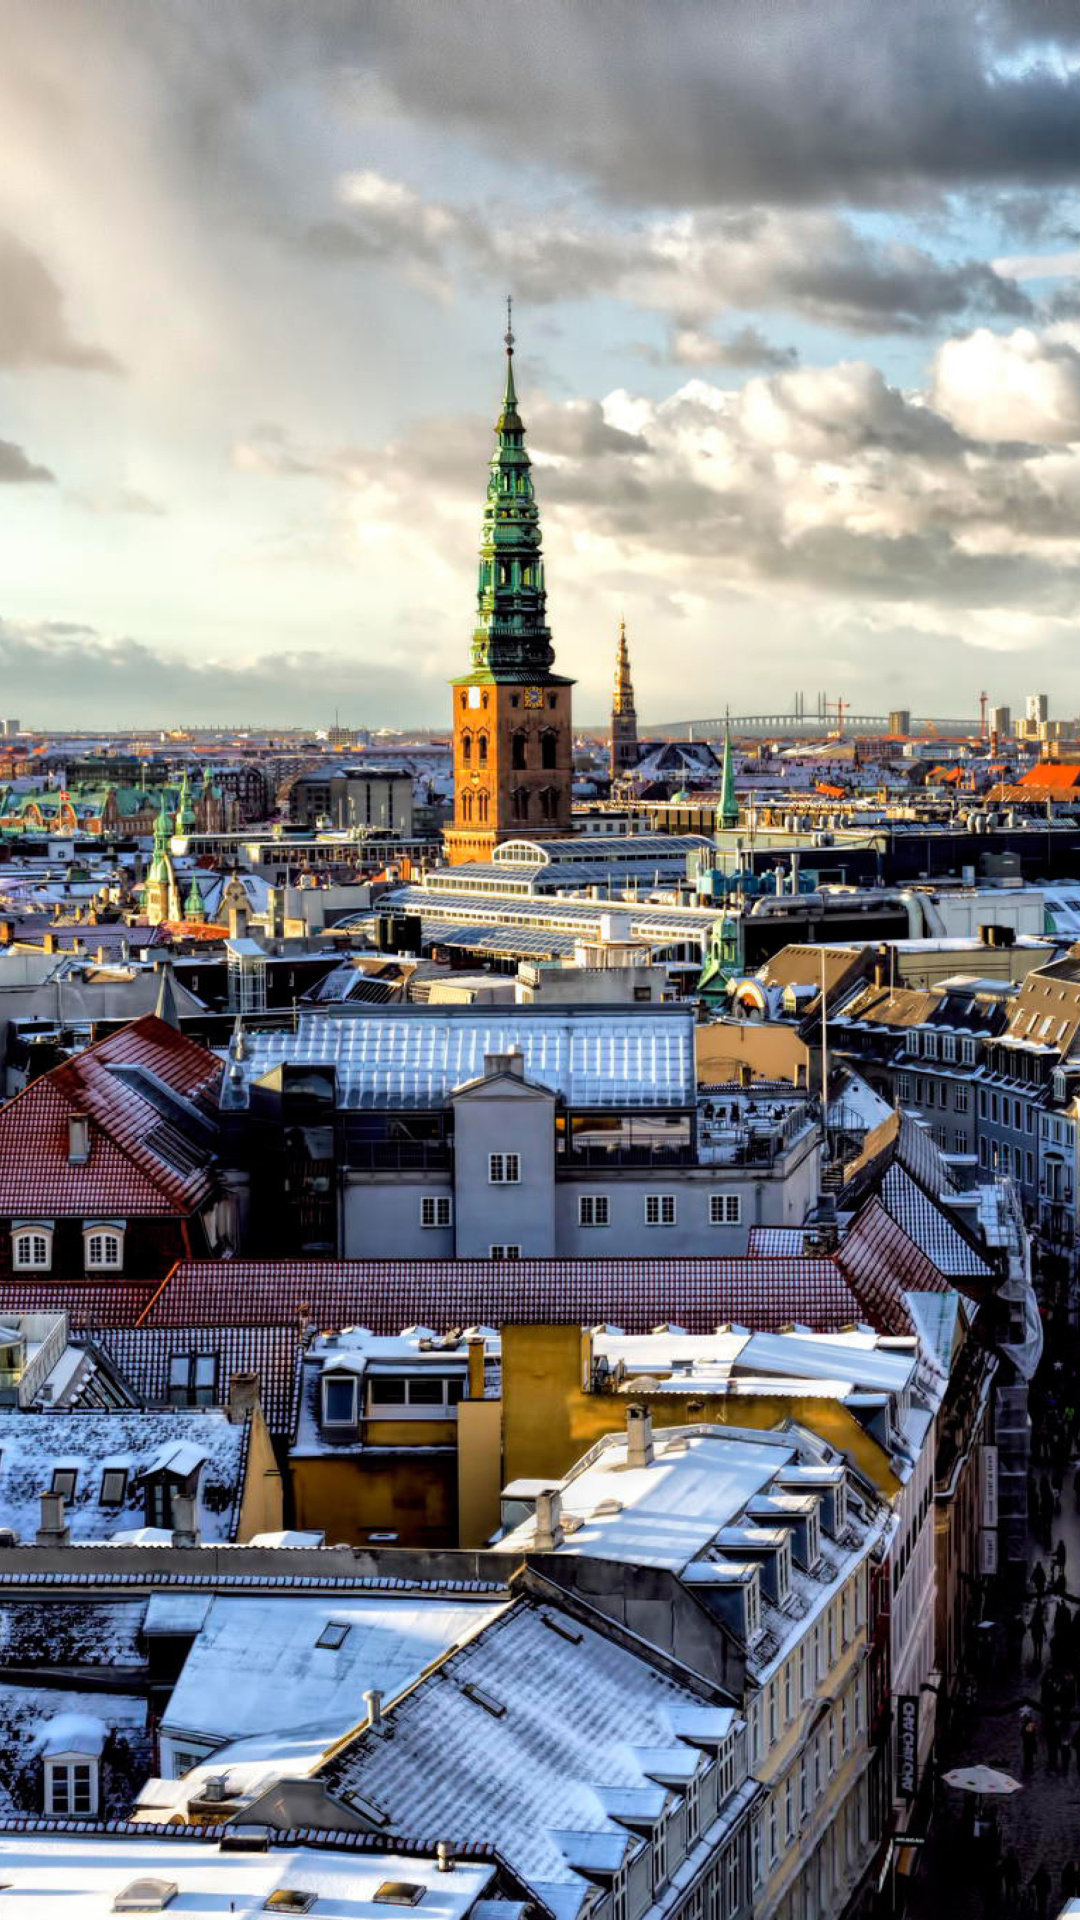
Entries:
{"x":729,"y":805}
{"x":185,"y":812}
{"x":511,"y":640}
{"x":194,"y":905}
{"x":159,"y":866}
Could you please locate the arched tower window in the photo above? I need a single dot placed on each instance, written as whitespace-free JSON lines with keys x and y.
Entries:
{"x":466,"y":748}
{"x":519,"y":801}
{"x":518,"y":746}
{"x":549,"y":748}
{"x":466,"y":806}
{"x":482,"y":808}
{"x":481,"y":748}
{"x":549,"y":803}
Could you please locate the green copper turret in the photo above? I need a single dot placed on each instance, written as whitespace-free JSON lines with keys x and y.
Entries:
{"x":185,"y":812}
{"x":159,"y":866}
{"x":729,"y":805}
{"x":511,"y":640}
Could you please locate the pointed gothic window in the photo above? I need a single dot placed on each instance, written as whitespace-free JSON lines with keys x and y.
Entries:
{"x":549,"y":746}
{"x":549,"y":803}
{"x":520,"y":802}
{"x":482,"y":808}
{"x":466,"y":748}
{"x":466,"y":806}
{"x":481,"y":748}
{"x":518,"y":750}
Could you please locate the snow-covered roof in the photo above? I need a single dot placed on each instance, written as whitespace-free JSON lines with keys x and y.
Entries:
{"x":49,"y":1871}
{"x":34,"y":1447}
{"x":417,"y":1056}
{"x":257,"y":1665}
{"x":36,"y":1722}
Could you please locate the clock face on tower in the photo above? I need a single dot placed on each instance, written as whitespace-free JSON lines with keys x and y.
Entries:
{"x":532,"y":697}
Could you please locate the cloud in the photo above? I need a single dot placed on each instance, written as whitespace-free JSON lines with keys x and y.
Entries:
{"x":34,"y":330}
{"x":693,"y":266}
{"x":1020,"y":386}
{"x":106,"y":501}
{"x":16,"y":466}
{"x":746,"y":348}
{"x":71,"y":674}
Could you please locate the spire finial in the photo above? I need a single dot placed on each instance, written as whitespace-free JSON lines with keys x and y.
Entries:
{"x":509,"y":334}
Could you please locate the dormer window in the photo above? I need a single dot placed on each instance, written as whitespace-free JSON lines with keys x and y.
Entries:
{"x":339,"y":1400}
{"x":783,"y":1572}
{"x":31,"y":1247}
{"x":753,"y":1608}
{"x":103,"y":1246}
{"x":71,"y":1784}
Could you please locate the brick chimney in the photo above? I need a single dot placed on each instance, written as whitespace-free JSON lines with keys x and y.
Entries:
{"x":53,"y":1531}
{"x":244,"y":1396}
{"x":639,"y":1441}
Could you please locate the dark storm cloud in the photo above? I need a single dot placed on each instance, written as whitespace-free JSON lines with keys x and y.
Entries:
{"x":16,"y":466}
{"x":34,"y":329}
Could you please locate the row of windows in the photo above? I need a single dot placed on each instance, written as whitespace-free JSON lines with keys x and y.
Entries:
{"x":926,"y":1041}
{"x":930,"y":1093}
{"x":520,"y":802}
{"x":793,"y":1799}
{"x":1006,"y":1111}
{"x":805,"y":1668}
{"x":114,"y":1484}
{"x":32,"y":1247}
{"x":998,"y":1155}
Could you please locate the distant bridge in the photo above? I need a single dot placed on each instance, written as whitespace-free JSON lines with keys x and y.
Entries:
{"x":803,"y":724}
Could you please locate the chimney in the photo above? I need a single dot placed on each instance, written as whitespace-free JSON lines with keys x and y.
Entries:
{"x":244,"y":1397}
{"x":49,"y":943}
{"x":444,"y":1857}
{"x":512,"y":1061}
{"x":78,"y":1139}
{"x":52,"y":1531}
{"x":639,"y":1446}
{"x":373,"y":1703}
{"x":184,"y":1531}
{"x":548,"y":1533}
{"x":476,"y":1369}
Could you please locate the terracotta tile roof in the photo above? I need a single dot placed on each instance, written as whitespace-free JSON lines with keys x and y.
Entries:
{"x":137,"y":1164}
{"x":387,"y":1295}
{"x":143,"y":1356}
{"x":775,"y":1243}
{"x":1058,"y":776}
{"x":89,"y":1303}
{"x":204,"y":931}
{"x":881,"y":1263}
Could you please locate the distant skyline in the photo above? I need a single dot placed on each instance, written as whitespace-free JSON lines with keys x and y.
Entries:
{"x":797,"y":299}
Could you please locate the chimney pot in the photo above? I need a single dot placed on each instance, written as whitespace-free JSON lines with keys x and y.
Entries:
{"x":548,"y":1532}
{"x":243,"y":1396}
{"x":639,"y":1440}
{"x":444,"y":1857}
{"x":373,"y":1703}
{"x":52,"y":1532}
{"x":185,"y":1533}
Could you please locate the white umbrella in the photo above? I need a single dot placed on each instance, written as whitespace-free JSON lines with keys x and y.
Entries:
{"x":982,"y":1780}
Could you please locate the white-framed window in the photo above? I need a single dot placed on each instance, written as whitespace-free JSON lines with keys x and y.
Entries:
{"x":659,"y":1209}
{"x":193,"y":1380}
{"x":504,"y":1169}
{"x":31,"y":1249}
{"x":967,"y":1050}
{"x":71,"y":1784}
{"x":948,"y":1046}
{"x":436,"y":1210}
{"x":103,"y":1249}
{"x":929,"y":1041}
{"x":593,"y":1210}
{"x":501,"y":1251}
{"x":903,"y":1086}
{"x":959,"y":1140}
{"x":960,"y":1099}
{"x":725,"y":1209}
{"x":339,"y":1399}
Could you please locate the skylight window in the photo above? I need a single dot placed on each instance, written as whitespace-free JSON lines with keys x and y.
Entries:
{"x":368,"y":1810}
{"x":334,"y":1635}
{"x":64,"y":1482}
{"x":399,"y":1893}
{"x":289,"y":1900}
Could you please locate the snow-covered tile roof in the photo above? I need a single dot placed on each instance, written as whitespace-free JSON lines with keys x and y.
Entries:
{"x":521,"y":1735}
{"x":257,"y":1666}
{"x":34,"y":1446}
{"x":144,"y":1356}
{"x":929,"y":1227}
{"x":72,"y":1633}
{"x":36,"y":1720}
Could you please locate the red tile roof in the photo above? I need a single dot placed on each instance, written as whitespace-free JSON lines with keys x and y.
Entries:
{"x":1054,"y":775}
{"x":90,"y":1303}
{"x":881,"y":1263}
{"x":124,"y":1175}
{"x":143,"y":1356}
{"x":388,"y":1295}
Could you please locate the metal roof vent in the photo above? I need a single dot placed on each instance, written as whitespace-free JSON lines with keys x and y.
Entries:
{"x":145,"y":1896}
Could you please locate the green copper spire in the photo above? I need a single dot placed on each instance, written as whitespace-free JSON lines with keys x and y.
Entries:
{"x":729,"y":805}
{"x":185,"y":812}
{"x":159,"y":866}
{"x":511,"y":640}
{"x":194,"y":905}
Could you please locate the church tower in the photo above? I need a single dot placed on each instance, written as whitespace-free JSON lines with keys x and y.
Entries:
{"x":513,"y":740}
{"x":624,"y":740}
{"x":161,"y":897}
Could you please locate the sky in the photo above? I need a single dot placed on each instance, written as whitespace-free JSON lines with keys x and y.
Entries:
{"x":797,"y":305}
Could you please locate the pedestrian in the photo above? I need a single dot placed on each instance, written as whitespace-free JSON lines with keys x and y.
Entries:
{"x":1061,"y":1554}
{"x":1029,"y":1735}
{"x":1058,"y":1583}
{"x":1010,"y":1877}
{"x":1038,"y":1579}
{"x":1040,"y":1885}
{"x":1037,"y":1626}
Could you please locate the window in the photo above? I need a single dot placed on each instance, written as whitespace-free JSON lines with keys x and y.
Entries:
{"x":113,"y":1486}
{"x":504,"y":1169}
{"x":1029,"y":1168}
{"x":436,"y":1210}
{"x":501,"y":1252}
{"x":967,"y":1050}
{"x":930,"y":1045}
{"x":549,"y":742}
{"x":593,"y":1210}
{"x":903,"y":1086}
{"x":290,"y":1900}
{"x":948,"y":1046}
{"x":70,"y":1786}
{"x":481,"y":748}
{"x":104,"y":1249}
{"x":334,"y":1635}
{"x":519,"y":803}
{"x":64,"y":1481}
{"x":959,"y":1140}
{"x":339,"y":1400}
{"x":466,"y":749}
{"x":982,"y":1103}
{"x":193,"y":1380}
{"x":549,"y":803}
{"x":517,"y":750}
{"x":961,"y":1096}
{"x":32,"y":1249}
{"x":725,"y":1209}
{"x":659,"y":1209}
